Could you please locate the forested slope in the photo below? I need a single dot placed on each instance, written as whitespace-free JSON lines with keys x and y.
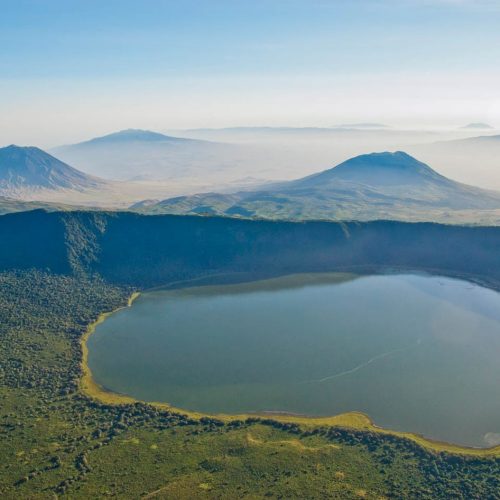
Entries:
{"x":144,"y":251}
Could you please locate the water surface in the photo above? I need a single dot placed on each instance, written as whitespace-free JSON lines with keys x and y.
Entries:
{"x":415,"y":352}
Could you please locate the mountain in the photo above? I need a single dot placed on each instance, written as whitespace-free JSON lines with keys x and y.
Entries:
{"x":131,"y":135}
{"x":143,"y":155}
{"x":477,"y":126}
{"x":367,"y":187}
{"x":472,"y":159}
{"x":375,"y":169}
{"x":29,"y":170}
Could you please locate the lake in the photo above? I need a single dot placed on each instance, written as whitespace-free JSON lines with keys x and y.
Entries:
{"x":415,"y":352}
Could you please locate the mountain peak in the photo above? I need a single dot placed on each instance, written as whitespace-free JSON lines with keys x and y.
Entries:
{"x":130,"y":136}
{"x":395,"y":156}
{"x":398,"y":160}
{"x":14,"y":148}
{"x":377,"y":169}
{"x":15,"y":152}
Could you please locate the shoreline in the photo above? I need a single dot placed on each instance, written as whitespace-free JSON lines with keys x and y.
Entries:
{"x":354,"y":420}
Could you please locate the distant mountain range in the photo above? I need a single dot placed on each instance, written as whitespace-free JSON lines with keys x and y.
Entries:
{"x":239,"y":157}
{"x":290,"y":130}
{"x":250,"y":156}
{"x":373,"y":186}
{"x":362,"y":125}
{"x":29,"y":170}
{"x":479,"y":140}
{"x":474,"y":160}
{"x":129,"y":135}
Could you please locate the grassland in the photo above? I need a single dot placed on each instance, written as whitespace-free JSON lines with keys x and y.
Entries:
{"x":56,"y":441}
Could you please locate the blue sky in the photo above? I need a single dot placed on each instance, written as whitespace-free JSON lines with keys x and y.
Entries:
{"x":85,"y":65}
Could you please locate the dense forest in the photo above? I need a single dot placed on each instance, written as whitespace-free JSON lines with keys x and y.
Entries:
{"x":60,"y":271}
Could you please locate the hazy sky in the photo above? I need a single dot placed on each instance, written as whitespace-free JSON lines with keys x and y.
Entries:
{"x":70,"y":69}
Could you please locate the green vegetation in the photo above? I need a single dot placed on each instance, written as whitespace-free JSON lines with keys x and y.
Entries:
{"x":54,"y":440}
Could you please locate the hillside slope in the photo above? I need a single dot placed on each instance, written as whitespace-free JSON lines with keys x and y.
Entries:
{"x":367,"y":187}
{"x":30,"y":170}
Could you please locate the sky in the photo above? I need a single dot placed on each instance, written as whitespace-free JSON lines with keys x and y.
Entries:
{"x":74,"y":69}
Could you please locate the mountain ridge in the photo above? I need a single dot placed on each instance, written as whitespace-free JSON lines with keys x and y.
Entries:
{"x":391,"y":168}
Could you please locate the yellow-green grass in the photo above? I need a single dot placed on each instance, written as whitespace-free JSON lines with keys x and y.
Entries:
{"x":350,"y":420}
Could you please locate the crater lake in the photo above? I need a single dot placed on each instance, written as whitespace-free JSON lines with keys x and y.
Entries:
{"x":415,"y":352}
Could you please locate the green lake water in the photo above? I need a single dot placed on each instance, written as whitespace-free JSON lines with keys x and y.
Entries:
{"x":415,"y":352}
